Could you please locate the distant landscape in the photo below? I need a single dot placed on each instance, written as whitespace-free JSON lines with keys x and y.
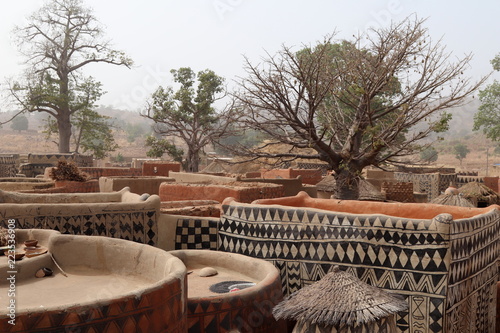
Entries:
{"x":460,"y":131}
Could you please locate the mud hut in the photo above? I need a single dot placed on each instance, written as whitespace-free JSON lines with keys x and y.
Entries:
{"x":367,"y":191}
{"x":340,"y":302}
{"x":452,"y":200}
{"x":479,"y":194}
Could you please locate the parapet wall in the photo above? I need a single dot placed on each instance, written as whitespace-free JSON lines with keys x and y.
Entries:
{"x":445,"y":268}
{"x":307,"y":176}
{"x":159,"y":168}
{"x":8,"y":166}
{"x":398,"y":191}
{"x":244,"y":192}
{"x":79,"y":159}
{"x":96,"y":173}
{"x":117,"y":215}
{"x":433,"y":184}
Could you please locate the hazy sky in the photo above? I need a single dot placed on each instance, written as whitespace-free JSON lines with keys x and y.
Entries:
{"x":215,"y":34}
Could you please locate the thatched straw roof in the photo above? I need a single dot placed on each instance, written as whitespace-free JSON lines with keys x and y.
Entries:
{"x":452,"y":200}
{"x":475,"y":192}
{"x":216,"y":166}
{"x":339,"y":298}
{"x":367,"y":191}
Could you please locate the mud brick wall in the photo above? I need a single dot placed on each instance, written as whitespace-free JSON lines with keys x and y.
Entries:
{"x":246,"y":192}
{"x":95,"y":173}
{"x":445,"y":180}
{"x":159,"y":168}
{"x":8,"y":166}
{"x":446,"y":269}
{"x":467,"y":173}
{"x":398,"y":191}
{"x":78,"y":159}
{"x":420,"y":170}
{"x":492,"y":182}
{"x":462,"y":180}
{"x":136,"y":221}
{"x":32,"y":170}
{"x":433,"y":184}
{"x":90,"y":186}
{"x":308,"y":176}
{"x":324,"y":167}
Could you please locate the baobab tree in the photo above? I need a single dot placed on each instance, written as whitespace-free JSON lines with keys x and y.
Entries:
{"x":354,"y":102}
{"x":59,"y":40}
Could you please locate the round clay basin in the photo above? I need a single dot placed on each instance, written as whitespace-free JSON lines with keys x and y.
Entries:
{"x":105,"y":284}
{"x":247,"y":310}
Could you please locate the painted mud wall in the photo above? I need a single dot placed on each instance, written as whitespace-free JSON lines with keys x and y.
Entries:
{"x":446,"y":269}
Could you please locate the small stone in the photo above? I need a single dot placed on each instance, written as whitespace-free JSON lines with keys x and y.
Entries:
{"x":207,"y":271}
{"x":40,"y":273}
{"x":144,"y":196}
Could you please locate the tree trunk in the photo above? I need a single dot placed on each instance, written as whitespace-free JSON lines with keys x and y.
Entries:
{"x":346,"y":185}
{"x":193,"y":160}
{"x":64,"y":127}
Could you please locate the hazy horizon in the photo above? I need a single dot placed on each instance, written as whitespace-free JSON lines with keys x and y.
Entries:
{"x":217,"y":34}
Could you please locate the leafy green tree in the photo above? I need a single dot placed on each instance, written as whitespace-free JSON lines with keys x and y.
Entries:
{"x":91,"y":131}
{"x":355,"y":103}
{"x":58,"y":41}
{"x":188,"y":113}
{"x":460,"y":151}
{"x":20,"y":123}
{"x":134,"y":130}
{"x":429,"y":154}
{"x":488,"y":115}
{"x":161,"y":146}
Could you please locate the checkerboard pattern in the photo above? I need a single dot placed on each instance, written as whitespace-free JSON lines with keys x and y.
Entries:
{"x":196,"y":234}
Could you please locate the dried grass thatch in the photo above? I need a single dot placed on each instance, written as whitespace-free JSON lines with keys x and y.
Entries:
{"x":367,"y":191}
{"x":216,"y":166}
{"x":476,"y":192}
{"x":452,"y":200}
{"x":337,"y":299}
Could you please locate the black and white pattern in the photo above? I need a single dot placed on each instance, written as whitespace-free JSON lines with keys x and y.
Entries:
{"x":196,"y":234}
{"x":441,"y":266}
{"x":138,"y":226}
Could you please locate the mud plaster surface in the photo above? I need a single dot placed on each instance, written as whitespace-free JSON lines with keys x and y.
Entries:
{"x":82,"y":286}
{"x":199,"y":286}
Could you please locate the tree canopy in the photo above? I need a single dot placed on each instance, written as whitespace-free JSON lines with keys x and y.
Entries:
{"x":188,"y":113}
{"x":460,"y":150}
{"x":354,"y":102}
{"x":58,"y":41}
{"x":488,"y":116}
{"x":20,"y":123}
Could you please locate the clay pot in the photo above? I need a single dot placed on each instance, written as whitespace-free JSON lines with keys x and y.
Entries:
{"x":31,"y":243}
{"x":17,"y":255}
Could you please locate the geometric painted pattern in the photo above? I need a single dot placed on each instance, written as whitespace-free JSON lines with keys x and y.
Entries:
{"x":381,"y":325}
{"x":136,"y":225}
{"x":438,"y":265}
{"x":8,"y":166}
{"x":473,"y":274}
{"x":251,"y":312}
{"x":431,"y":183}
{"x":160,"y":310}
{"x":199,"y":234}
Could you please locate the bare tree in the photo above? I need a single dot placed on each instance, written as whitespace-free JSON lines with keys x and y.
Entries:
{"x":59,"y":40}
{"x":355,"y":103}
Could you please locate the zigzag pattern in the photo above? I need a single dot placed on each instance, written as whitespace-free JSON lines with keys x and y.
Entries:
{"x":383,"y":325}
{"x":136,"y":226}
{"x":339,"y":251}
{"x":439,"y":265}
